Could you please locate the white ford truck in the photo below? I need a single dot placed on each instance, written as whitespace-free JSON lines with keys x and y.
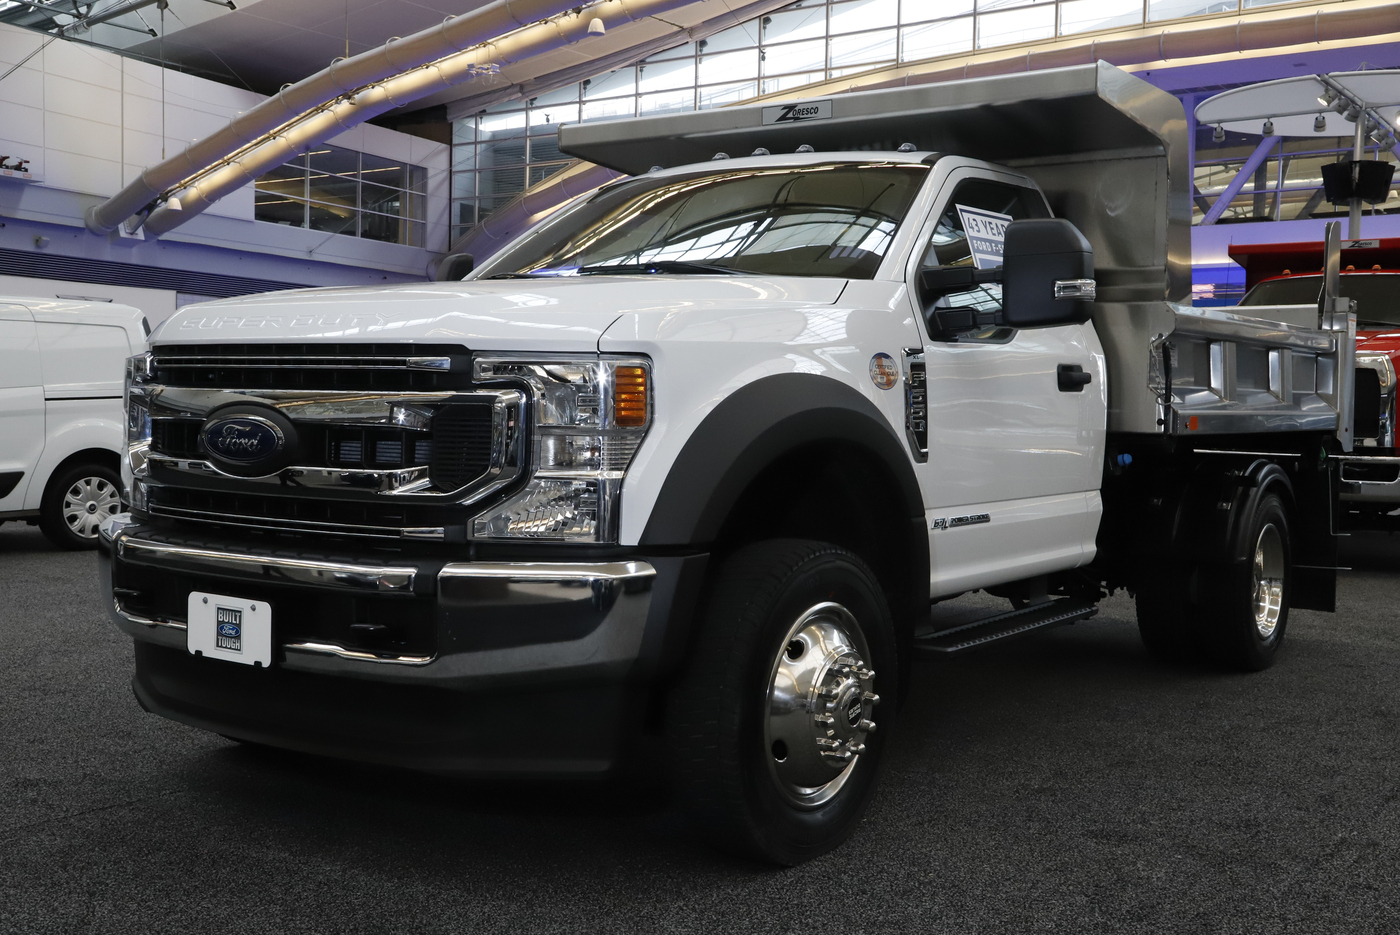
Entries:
{"x":692,"y":458}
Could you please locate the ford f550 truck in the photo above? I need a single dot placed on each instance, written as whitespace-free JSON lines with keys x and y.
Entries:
{"x":692,"y":458}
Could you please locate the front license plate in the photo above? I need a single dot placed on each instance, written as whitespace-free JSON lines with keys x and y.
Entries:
{"x":230,"y":628}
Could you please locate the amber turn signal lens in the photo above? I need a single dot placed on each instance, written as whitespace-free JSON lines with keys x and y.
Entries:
{"x":629,"y":396}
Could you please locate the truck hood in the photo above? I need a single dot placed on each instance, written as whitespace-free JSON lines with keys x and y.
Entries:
{"x":1385,"y":341}
{"x":555,"y":314}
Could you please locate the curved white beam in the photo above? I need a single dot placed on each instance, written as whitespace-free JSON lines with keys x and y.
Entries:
{"x":396,"y":56}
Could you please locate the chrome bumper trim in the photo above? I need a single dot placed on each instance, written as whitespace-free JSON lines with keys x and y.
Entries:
{"x":146,"y":621}
{"x":545,"y":571}
{"x":332,"y":649}
{"x":378,"y":578}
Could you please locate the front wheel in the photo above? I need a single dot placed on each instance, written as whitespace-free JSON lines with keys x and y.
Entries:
{"x":773,"y":727}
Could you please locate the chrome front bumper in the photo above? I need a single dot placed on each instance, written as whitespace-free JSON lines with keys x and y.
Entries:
{"x":609,"y":602}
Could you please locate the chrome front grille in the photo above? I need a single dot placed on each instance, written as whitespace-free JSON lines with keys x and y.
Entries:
{"x":411,"y":367}
{"x":387,"y":462}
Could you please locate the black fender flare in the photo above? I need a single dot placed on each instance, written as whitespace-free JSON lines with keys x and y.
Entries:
{"x":752,"y":428}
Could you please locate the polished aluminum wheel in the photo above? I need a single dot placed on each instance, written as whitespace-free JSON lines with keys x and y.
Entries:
{"x":87,"y":502}
{"x":820,"y":704}
{"x":1268,"y":581}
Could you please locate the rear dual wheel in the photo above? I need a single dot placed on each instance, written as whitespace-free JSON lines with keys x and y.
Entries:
{"x":773,"y":728}
{"x":1239,"y":613}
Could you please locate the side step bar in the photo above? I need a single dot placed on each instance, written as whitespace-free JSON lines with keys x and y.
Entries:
{"x":989,"y":630}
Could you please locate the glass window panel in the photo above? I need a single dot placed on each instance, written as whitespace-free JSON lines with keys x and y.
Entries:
{"x":808,"y":22}
{"x":501,"y":153}
{"x":1251,"y":4}
{"x":546,"y":149}
{"x":501,"y":182}
{"x":622,"y":81}
{"x":773,"y":85}
{"x":863,"y":14}
{"x":464,"y":131}
{"x":547,"y":119}
{"x":1088,"y":15}
{"x":279,"y":209}
{"x":463,"y":156}
{"x":869,"y":47}
{"x":383,"y":200}
{"x":380,"y":227}
{"x":417,"y":179}
{"x":565,"y":95}
{"x":463,"y":184}
{"x":333,"y":190}
{"x":383,"y":171}
{"x":332,"y":160}
{"x":1174,"y":9}
{"x":794,"y":56}
{"x":667,"y":102}
{"x":916,"y":11}
{"x":662,"y":76}
{"x":728,"y":66}
{"x":680,"y":51}
{"x":987,"y":6}
{"x":720,"y":94}
{"x":610,"y":108}
{"x":464,"y":214}
{"x":540,"y":173}
{"x":933,"y":39}
{"x":333,"y":219}
{"x":1024,"y":25}
{"x":743,"y":36}
{"x":495,"y":126}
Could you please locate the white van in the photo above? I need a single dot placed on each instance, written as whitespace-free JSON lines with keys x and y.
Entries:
{"x":62,"y":428}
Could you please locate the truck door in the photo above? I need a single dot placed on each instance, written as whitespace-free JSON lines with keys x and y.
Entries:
{"x":1014,"y":460}
{"x":21,"y":405}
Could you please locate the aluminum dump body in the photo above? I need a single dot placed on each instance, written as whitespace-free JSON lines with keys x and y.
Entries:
{"x":1110,"y":152}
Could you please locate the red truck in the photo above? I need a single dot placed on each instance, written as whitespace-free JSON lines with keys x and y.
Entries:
{"x":1292,"y":274}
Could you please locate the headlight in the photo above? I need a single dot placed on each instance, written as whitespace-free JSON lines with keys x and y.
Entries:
{"x":587,"y":419}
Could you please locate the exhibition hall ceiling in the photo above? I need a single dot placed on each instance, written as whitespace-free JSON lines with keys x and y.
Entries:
{"x":262,"y":44}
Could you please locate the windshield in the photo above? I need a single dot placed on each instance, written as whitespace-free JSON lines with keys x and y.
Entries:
{"x":832,"y":219}
{"x":1377,"y":295}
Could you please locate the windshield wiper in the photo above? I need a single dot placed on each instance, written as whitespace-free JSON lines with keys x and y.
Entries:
{"x":660,"y":266}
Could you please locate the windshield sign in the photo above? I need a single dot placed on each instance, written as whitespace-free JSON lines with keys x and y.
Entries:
{"x":831,"y":219}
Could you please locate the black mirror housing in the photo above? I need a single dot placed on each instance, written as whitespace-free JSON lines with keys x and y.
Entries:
{"x":1047,"y":274}
{"x":454,"y":267}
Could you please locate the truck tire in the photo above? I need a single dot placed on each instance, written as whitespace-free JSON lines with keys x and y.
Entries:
{"x":771,"y":729}
{"x":76,"y":501}
{"x":1248,"y":611}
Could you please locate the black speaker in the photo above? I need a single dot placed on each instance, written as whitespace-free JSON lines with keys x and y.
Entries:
{"x":1368,"y":180}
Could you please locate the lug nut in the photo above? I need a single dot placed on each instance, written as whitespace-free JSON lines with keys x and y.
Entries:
{"x":870,"y":697}
{"x":868,"y":726}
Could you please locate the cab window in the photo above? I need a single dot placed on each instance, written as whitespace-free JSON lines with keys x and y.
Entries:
{"x":949,"y":246}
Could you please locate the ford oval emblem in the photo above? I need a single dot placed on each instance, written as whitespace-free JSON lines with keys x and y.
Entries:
{"x":229,"y":630}
{"x":243,"y":439}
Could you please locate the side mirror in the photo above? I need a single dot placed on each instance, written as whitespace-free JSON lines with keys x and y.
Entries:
{"x":1047,"y":274}
{"x":455,"y":267}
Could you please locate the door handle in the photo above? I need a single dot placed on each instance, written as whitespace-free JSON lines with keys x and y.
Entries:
{"x":1072,"y":378}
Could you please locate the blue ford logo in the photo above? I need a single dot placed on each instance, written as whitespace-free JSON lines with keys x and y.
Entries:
{"x":229,"y":630}
{"x":242,"y":439}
